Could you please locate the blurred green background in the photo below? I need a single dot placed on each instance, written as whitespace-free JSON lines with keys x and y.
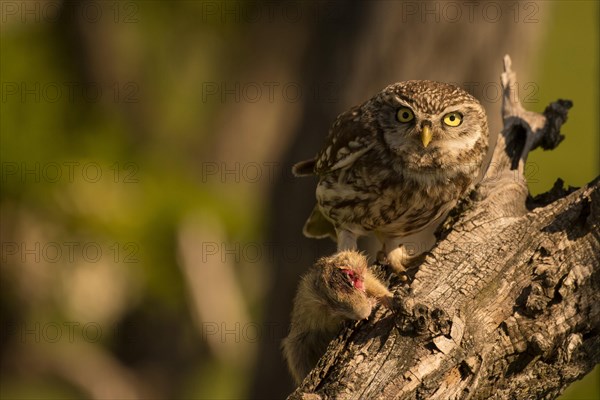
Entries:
{"x":150,"y":227}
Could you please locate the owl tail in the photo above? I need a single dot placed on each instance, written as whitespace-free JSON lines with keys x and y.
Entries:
{"x":318,"y":227}
{"x":304,"y":168}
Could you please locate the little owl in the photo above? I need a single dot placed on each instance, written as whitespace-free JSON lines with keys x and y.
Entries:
{"x":396,"y":165}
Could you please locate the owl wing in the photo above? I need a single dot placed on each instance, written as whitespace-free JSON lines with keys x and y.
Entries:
{"x":347,"y":141}
{"x":349,"y":138}
{"x":304,"y":168}
{"x":318,"y":227}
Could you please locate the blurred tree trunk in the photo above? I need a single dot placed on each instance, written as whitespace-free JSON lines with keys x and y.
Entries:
{"x":351,"y":55}
{"x":505,"y":306}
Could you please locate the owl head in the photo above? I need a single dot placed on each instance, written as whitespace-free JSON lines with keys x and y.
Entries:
{"x":431,"y":128}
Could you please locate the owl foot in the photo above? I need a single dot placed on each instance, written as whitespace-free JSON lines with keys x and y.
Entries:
{"x":382,"y":258}
{"x":394,"y":262}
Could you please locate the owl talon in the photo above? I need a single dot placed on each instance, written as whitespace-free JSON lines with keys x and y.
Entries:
{"x":398,"y":267}
{"x":394,"y":260}
{"x":382,"y":258}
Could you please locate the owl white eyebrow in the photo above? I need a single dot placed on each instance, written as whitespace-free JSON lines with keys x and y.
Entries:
{"x":454,"y":109}
{"x":399,"y":100}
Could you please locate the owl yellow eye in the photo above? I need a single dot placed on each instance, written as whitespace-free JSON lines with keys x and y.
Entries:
{"x":452,"y":119}
{"x":405,"y":114}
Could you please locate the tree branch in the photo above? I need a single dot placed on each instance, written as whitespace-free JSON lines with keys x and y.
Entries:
{"x":507,"y":305}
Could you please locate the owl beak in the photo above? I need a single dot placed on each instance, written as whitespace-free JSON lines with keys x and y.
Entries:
{"x":426,"y":135}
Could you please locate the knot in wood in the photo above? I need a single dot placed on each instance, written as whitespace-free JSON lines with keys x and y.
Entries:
{"x":570,"y":345}
{"x":421,"y":318}
{"x":511,"y":328}
{"x":470,"y":365}
{"x":534,"y":300}
{"x":441,"y":321}
{"x":540,"y":345}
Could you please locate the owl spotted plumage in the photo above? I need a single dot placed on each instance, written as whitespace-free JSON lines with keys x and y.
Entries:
{"x":396,"y":165}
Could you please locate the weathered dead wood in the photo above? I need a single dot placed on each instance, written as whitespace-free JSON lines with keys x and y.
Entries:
{"x":507,"y":305}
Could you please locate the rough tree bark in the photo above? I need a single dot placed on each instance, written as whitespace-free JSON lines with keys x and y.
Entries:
{"x":507,"y":305}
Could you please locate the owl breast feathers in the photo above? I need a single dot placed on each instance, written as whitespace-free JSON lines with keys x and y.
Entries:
{"x":396,"y":163}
